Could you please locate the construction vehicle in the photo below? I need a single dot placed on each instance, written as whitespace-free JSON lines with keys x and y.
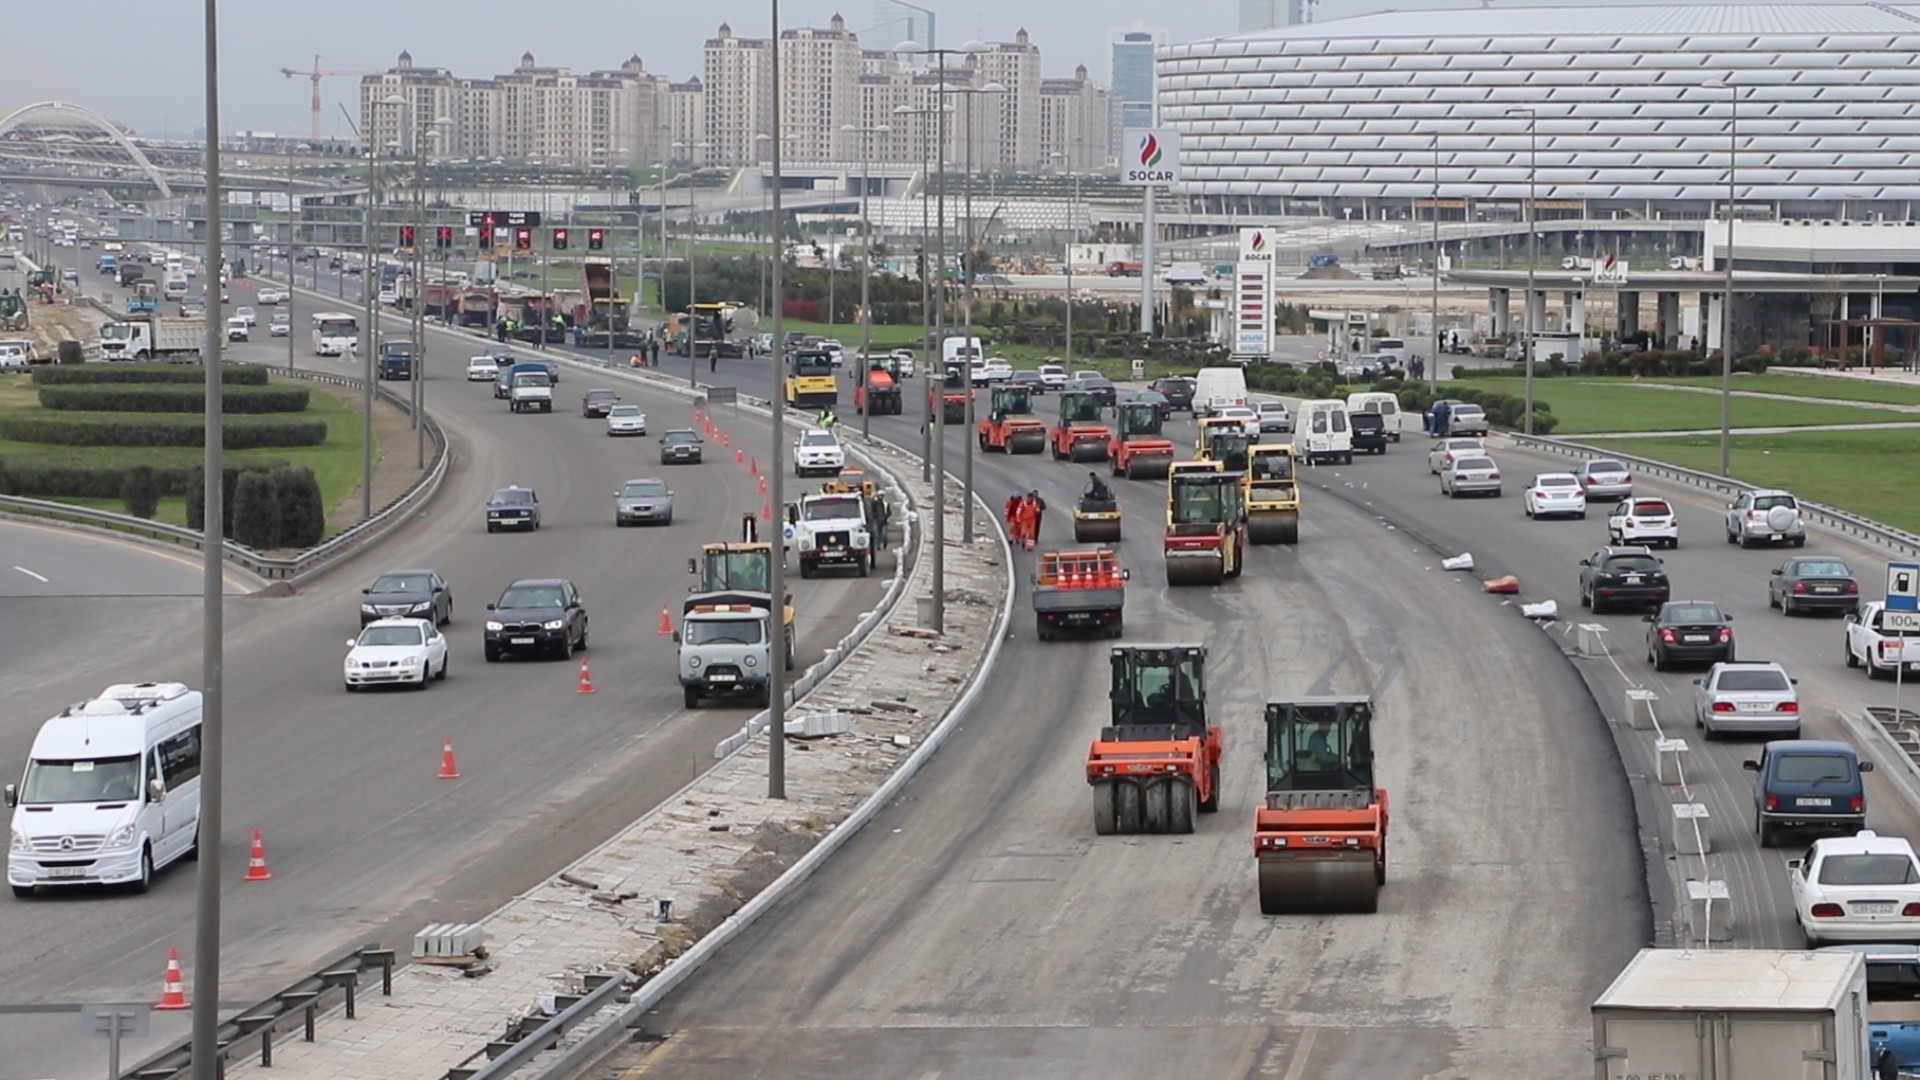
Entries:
{"x":878,"y":390}
{"x":1138,"y":449}
{"x":724,"y":647}
{"x":1158,"y":761}
{"x":1011,"y":426}
{"x":833,"y":528}
{"x":810,"y":383}
{"x":1079,"y":590}
{"x":1229,"y":444}
{"x":951,"y":395}
{"x":1096,"y":520}
{"x":1320,"y":836}
{"x":1273,"y":496}
{"x":1206,"y":526}
{"x":13,"y":311}
{"x":1081,"y":434}
{"x":743,"y":566}
{"x":142,"y":301}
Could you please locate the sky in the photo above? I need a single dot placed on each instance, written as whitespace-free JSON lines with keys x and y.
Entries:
{"x":146,"y":72}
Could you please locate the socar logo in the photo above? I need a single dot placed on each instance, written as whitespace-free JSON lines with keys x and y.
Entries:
{"x":1149,"y":151}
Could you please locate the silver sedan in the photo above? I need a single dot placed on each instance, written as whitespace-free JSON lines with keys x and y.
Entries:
{"x":1604,"y":478}
{"x":643,"y":501}
{"x":1470,"y":476}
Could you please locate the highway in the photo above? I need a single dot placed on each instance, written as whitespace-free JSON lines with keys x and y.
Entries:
{"x":364,"y":843}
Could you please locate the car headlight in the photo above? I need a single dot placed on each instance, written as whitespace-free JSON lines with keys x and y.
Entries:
{"x":553,"y":624}
{"x":421,"y":606}
{"x":369,"y":609}
{"x":19,"y":841}
{"x":751,"y":662}
{"x":693,"y":662}
{"x":495,"y":626}
{"x":352,"y":664}
{"x":806,"y":543}
{"x":122,"y":838}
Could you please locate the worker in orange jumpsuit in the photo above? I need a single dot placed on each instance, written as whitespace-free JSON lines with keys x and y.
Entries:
{"x":1013,"y":516}
{"x":1029,"y":523}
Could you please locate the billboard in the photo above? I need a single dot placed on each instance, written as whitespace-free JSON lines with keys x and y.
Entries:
{"x":1150,"y":157}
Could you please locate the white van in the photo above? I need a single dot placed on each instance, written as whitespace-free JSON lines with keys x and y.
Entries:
{"x":1382,"y":402}
{"x":1393,"y":347}
{"x":956,"y":350}
{"x":111,"y":792}
{"x":1321,"y":433}
{"x":1217,"y":388}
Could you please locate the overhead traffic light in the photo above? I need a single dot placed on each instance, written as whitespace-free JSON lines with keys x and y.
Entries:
{"x":559,"y":239}
{"x":596,"y":239}
{"x":523,"y":238}
{"x":485,"y":225}
{"x":443,"y":236}
{"x":406,"y":236}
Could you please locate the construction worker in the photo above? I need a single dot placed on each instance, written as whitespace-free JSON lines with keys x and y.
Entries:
{"x":1039,"y":506}
{"x":1097,"y":492}
{"x":1012,"y":512}
{"x":882,"y":515}
{"x":1320,"y":748}
{"x":827,"y":419}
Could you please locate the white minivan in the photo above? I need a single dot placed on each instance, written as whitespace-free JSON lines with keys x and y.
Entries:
{"x":1321,"y":433}
{"x":1382,"y":402}
{"x":1216,"y":388}
{"x":111,"y":792}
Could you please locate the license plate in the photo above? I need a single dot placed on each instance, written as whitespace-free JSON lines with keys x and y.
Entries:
{"x":1755,"y":706}
{"x":1826,"y":588}
{"x":520,"y":641}
{"x":1633,"y":579}
{"x":1695,"y":639}
{"x":66,"y":871}
{"x":1774,"y":536}
{"x":719,"y":678}
{"x":1816,"y":801}
{"x":1872,"y":907}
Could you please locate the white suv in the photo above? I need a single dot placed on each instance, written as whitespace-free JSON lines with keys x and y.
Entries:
{"x":818,"y":451}
{"x":1766,"y":516}
{"x":1643,"y":521}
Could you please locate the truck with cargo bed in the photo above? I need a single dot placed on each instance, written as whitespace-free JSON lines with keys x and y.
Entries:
{"x":152,"y":338}
{"x":1079,"y":590}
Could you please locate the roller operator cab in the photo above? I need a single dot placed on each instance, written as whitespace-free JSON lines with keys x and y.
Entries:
{"x":1157,"y":761}
{"x":1081,"y":433}
{"x":1320,"y":835}
{"x":1226,"y":442}
{"x":1137,"y":449}
{"x":810,"y":382}
{"x":1206,"y":526}
{"x":1010,"y":426}
{"x":951,"y":395}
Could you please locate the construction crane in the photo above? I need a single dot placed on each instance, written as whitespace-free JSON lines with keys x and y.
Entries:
{"x":316,"y":75}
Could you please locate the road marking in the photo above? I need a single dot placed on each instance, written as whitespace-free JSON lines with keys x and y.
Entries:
{"x":1301,"y":1052}
{"x":32,"y":575}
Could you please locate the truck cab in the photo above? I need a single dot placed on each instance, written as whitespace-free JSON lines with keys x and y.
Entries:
{"x":396,"y":361}
{"x":529,"y":389}
{"x":831,"y":529}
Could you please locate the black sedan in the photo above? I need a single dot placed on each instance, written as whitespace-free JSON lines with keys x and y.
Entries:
{"x":680,"y":448}
{"x":408,"y":594}
{"x":537,"y":615}
{"x":1098,"y":385}
{"x":1689,"y":632}
{"x":513,"y":508}
{"x":1813,"y":583}
{"x":1159,"y":401}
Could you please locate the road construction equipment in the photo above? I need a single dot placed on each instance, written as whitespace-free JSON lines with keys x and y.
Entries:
{"x":1206,"y":526}
{"x":810,"y":382}
{"x":1137,"y":448}
{"x":1080,"y":434}
{"x":1320,"y":836}
{"x":1273,"y":496}
{"x":1011,"y":426}
{"x":951,"y":395}
{"x":1079,"y":590}
{"x":1158,"y":761}
{"x":878,"y":391}
{"x":1096,"y":520}
{"x":1223,"y":440}
{"x":744,"y":566}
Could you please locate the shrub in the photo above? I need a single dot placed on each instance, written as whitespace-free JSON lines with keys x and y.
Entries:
{"x":173,"y":398}
{"x":120,"y":429}
{"x":140,"y":491}
{"x":70,"y":352}
{"x":230,"y":482}
{"x":256,"y":511}
{"x":303,"y":513}
{"x":231,"y":374}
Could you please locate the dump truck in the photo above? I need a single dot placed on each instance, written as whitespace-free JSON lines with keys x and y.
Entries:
{"x":1079,"y":590}
{"x":1137,"y":448}
{"x":1157,"y":762}
{"x":478,"y":307}
{"x":152,"y":338}
{"x":1273,"y":496}
{"x":1010,"y":426}
{"x":142,"y":300}
{"x":878,"y":391}
{"x":951,"y":395}
{"x":1320,"y":835}
{"x":742,"y":566}
{"x":1081,"y":433}
{"x":810,"y":382}
{"x":1206,"y":526}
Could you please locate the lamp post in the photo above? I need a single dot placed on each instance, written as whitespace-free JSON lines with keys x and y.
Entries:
{"x":1726,"y":301}
{"x":776,"y":483}
{"x":1533,"y":252}
{"x":369,"y":296}
{"x":1433,"y":372}
{"x":926,"y":287}
{"x":974,"y":241}
{"x":660,"y":170}
{"x":293,"y":231}
{"x":866,"y":133}
{"x":1073,"y":236}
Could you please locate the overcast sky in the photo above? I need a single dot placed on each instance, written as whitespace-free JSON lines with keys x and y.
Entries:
{"x":145,"y":71}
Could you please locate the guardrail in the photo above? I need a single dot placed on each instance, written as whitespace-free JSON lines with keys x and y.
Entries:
{"x":528,"y":1039}
{"x":1898,"y":541}
{"x":298,"y":567}
{"x":302,"y":999}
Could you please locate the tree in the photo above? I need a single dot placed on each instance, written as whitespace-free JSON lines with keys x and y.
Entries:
{"x":140,"y":492}
{"x":303,"y":515}
{"x":256,"y":511}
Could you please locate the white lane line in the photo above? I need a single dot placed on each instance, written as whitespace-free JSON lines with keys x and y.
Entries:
{"x":32,"y":575}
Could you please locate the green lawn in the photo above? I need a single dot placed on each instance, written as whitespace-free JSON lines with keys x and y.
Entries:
{"x":1584,"y":406}
{"x":1809,"y":386}
{"x":1866,"y":472}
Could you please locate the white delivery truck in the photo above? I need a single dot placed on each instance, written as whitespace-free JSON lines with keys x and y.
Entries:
{"x":152,"y":338}
{"x":1216,"y":388}
{"x":1383,"y":402}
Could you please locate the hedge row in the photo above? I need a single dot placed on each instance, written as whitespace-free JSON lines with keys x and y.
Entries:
{"x":263,"y":507}
{"x":119,"y":429}
{"x":1321,"y":381}
{"x":231,"y":374}
{"x":139,"y":487}
{"x":173,"y":398}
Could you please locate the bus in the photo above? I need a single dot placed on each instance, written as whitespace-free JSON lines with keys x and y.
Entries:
{"x":334,"y":332}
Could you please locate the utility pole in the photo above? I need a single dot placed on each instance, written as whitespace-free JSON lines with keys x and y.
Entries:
{"x":776,"y":487}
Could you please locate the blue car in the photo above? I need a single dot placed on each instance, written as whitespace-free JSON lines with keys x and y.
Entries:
{"x":513,"y":508}
{"x":1809,"y":783}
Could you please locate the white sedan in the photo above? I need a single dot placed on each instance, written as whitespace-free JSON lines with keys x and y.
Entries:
{"x":1863,"y":887}
{"x":1249,"y":420}
{"x":1452,"y":447}
{"x":252,"y":317}
{"x":1553,"y":494}
{"x":482,"y":369}
{"x":279,"y":327}
{"x":272,"y":295}
{"x":396,"y":651}
{"x":626,"y":420}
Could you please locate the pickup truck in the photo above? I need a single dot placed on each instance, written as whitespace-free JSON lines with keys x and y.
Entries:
{"x":1079,"y":590}
{"x":1880,"y":651}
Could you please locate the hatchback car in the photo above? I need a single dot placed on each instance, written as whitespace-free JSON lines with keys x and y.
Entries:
{"x":513,"y":508}
{"x":1643,"y":521}
{"x":1555,"y":494}
{"x":680,"y":448}
{"x":1622,"y":577}
{"x":1470,"y":475}
{"x":1150,"y":397}
{"x":1447,"y":449}
{"x":536,"y":615}
{"x":1807,"y":782}
{"x":1750,"y":697}
{"x":1604,"y":478}
{"x":818,"y":452}
{"x":1689,"y":632}
{"x":1858,"y":888}
{"x":598,"y":403}
{"x":1274,"y":417}
{"x":1178,"y":388}
{"x":1766,"y":517}
{"x":482,"y":369}
{"x":411,"y":594}
{"x":626,"y":420}
{"x":1813,"y":583}
{"x":396,"y":652}
{"x":643,"y":501}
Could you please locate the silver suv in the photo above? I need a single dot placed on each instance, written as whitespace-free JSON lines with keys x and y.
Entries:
{"x":1747,"y":697}
{"x":1766,"y":517}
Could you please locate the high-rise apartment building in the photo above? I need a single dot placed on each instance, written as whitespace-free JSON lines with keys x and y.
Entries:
{"x":820,"y":91}
{"x":1007,"y":125}
{"x":737,"y":77}
{"x":1075,"y":118}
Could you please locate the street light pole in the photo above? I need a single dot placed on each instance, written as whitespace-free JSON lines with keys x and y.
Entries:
{"x":776,"y":487}
{"x":1533,"y":253}
{"x":1726,"y":300}
{"x":293,"y":232}
{"x":973,"y":242}
{"x":866,"y":132}
{"x":1433,"y":359}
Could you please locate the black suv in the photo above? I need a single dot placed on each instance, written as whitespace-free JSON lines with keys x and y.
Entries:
{"x":1622,"y":577}
{"x":1369,"y":432}
{"x":537,"y":615}
{"x":1178,"y":390}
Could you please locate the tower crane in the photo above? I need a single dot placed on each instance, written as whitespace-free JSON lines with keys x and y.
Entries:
{"x":316,"y":75}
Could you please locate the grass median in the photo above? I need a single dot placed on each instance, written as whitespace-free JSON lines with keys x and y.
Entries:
{"x":1587,"y":406}
{"x":1816,"y":386}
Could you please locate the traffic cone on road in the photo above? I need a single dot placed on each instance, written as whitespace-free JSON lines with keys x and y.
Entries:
{"x":449,"y":768}
{"x":586,"y":679}
{"x":763,"y":485}
{"x":726,"y":442}
{"x":698,"y":417}
{"x":753,"y":467}
{"x":257,"y":860}
{"x":766,"y":510}
{"x":173,"y":992}
{"x":739,"y":456}
{"x":666,"y":620}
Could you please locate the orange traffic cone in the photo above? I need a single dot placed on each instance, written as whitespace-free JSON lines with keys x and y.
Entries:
{"x":766,"y":510}
{"x":739,"y":456}
{"x":753,"y":467}
{"x":257,"y":860}
{"x":697,"y":418}
{"x":173,"y":992}
{"x":586,"y":679}
{"x":449,"y":768}
{"x":726,"y":441}
{"x":666,"y":620}
{"x":763,"y":485}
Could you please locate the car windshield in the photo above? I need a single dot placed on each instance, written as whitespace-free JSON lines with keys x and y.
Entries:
{"x":513,"y":497}
{"x":1868,"y":870}
{"x":1633,"y":564}
{"x":402,"y":583}
{"x":601,"y":395}
{"x":1692,"y":613}
{"x":1821,"y":568}
{"x":99,"y":780}
{"x":1811,"y":768}
{"x":1272,"y":407}
{"x":1652,"y":508}
{"x":1754,"y":680}
{"x":833,"y":509}
{"x":1604,"y":466}
{"x":531,"y":378}
{"x":723,"y":631}
{"x":1768,"y":502}
{"x":680,"y":438}
{"x":643,"y":489}
{"x":1557,"y":481}
{"x":1464,"y":464}
{"x":390,"y":635}
{"x":818,"y":438}
{"x":532,"y":596}
{"x":625,"y":410}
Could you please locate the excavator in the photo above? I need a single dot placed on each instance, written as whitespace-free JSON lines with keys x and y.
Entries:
{"x":1273,"y":496}
{"x":1320,"y":836}
{"x":1157,"y":762}
{"x":1206,"y":525}
{"x":951,"y":395}
{"x":878,"y":391}
{"x":742,"y":567}
{"x":1011,"y":426}
{"x":1080,"y":434}
{"x":1138,"y":449}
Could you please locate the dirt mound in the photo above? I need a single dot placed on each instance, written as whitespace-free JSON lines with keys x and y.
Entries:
{"x":1330,"y":273}
{"x":50,"y":324}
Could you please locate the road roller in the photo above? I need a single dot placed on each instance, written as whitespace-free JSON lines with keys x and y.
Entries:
{"x":1138,"y":450}
{"x":1206,"y":525}
{"x":1226,"y":442}
{"x":950,"y":395}
{"x":1320,"y":836}
{"x":1081,"y":434}
{"x":1158,"y":762}
{"x":1096,"y":521}
{"x":1010,"y":425}
{"x":1273,"y":496}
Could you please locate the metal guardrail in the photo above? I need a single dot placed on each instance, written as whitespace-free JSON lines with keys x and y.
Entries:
{"x":302,"y":999}
{"x":527,"y":1038}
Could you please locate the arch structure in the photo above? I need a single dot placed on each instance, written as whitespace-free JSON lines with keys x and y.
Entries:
{"x":41,"y":112}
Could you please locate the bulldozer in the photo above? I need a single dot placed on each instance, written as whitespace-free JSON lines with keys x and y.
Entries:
{"x":1320,"y":836}
{"x":1157,"y":762}
{"x":951,"y":395}
{"x":1011,"y":426}
{"x":878,"y":391}
{"x":1273,"y":496}
{"x":1138,"y":449}
{"x":1080,"y":434}
{"x":741,"y":567}
{"x":1206,"y":526}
